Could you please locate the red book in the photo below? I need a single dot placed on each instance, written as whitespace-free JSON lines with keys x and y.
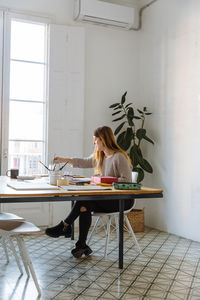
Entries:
{"x":103,"y":179}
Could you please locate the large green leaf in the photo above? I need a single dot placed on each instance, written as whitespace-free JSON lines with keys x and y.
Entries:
{"x":140,"y":133}
{"x":126,"y":144}
{"x":130,"y":112}
{"x":120,"y":138}
{"x":141,"y":112}
{"x":124,"y":140}
{"x":117,"y":130}
{"x":137,"y":151}
{"x":140,"y":174}
{"x":148,"y":114}
{"x":127,"y":138}
{"x":114,"y":105}
{"x":123,"y":99}
{"x":145,"y":165}
{"x":136,"y":117}
{"x":130,"y":122}
{"x":136,"y":154}
{"x":129,"y":134}
{"x":148,"y":139}
{"x":119,"y":118}
{"x":116,"y":113}
{"x":133,"y":156}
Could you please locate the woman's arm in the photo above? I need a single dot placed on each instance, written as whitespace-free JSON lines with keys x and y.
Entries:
{"x":76,"y":162}
{"x":59,"y":159}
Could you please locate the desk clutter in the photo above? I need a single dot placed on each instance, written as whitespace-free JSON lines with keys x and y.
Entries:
{"x":54,"y":180}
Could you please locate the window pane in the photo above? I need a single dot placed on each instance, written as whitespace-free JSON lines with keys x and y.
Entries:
{"x":25,"y":156}
{"x":26,"y":81}
{"x":27,"y":41}
{"x":26,"y":120}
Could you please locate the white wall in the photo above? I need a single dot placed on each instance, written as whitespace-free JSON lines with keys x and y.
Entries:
{"x":111,"y":61}
{"x":169,"y":81}
{"x":110,"y":70}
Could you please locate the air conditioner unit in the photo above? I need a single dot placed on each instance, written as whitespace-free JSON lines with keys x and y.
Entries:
{"x":105,"y":13}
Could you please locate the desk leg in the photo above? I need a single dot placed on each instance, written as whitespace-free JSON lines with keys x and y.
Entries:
{"x":72,"y":237}
{"x":121,"y":232}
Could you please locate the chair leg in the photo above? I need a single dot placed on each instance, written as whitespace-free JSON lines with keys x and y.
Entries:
{"x":5,"y":248}
{"x":133,"y":234}
{"x":93,"y":230}
{"x":107,"y":236}
{"x":22,"y":256}
{"x":12,"y":247}
{"x":116,"y":217}
{"x":29,"y":263}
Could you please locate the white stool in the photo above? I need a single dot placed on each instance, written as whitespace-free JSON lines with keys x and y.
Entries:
{"x":109,"y":217}
{"x":9,"y":217}
{"x":15,"y":229}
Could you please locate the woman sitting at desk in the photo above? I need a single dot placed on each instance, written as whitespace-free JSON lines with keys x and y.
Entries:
{"x":108,"y":159}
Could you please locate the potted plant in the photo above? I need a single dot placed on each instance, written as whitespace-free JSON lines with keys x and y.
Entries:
{"x":131,"y":134}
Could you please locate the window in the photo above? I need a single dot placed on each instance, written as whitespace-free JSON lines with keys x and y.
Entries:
{"x":27,"y":96}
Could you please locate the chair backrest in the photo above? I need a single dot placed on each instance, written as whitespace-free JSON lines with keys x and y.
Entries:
{"x":128,"y":210}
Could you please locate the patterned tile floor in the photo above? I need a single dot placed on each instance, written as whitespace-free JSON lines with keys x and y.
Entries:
{"x":169,"y":268}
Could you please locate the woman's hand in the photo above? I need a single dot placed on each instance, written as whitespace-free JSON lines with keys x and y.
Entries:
{"x":58,"y":160}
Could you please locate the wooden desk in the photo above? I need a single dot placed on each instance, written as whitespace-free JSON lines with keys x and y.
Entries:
{"x":9,"y":195}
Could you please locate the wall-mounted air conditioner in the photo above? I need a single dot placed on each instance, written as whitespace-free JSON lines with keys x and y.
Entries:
{"x":105,"y":13}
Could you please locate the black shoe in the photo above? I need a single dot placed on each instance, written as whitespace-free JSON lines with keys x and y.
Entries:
{"x":78,"y":251}
{"x":59,"y":230}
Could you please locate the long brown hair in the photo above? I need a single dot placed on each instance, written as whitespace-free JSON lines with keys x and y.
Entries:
{"x":107,"y":137}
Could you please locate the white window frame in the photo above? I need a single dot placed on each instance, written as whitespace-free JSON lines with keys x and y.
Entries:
{"x":1,"y":76}
{"x":8,"y":16}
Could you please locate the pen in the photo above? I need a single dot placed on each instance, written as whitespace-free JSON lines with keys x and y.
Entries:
{"x":44,"y":165}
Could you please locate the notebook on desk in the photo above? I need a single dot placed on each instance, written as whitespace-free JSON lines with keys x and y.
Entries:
{"x":79,"y":180}
{"x":84,"y":187}
{"x":26,"y":186}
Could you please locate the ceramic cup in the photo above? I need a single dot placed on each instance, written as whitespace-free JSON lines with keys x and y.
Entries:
{"x":134,"y":177}
{"x":54,"y":176}
{"x":13,"y":173}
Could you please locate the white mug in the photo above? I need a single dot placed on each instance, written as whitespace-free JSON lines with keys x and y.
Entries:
{"x":54,"y":176}
{"x":134,"y":177}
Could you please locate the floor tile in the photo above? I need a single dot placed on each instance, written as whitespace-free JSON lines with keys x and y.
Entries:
{"x":168,"y":269}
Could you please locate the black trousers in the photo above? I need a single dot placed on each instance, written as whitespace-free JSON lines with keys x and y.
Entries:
{"x":85,"y":218}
